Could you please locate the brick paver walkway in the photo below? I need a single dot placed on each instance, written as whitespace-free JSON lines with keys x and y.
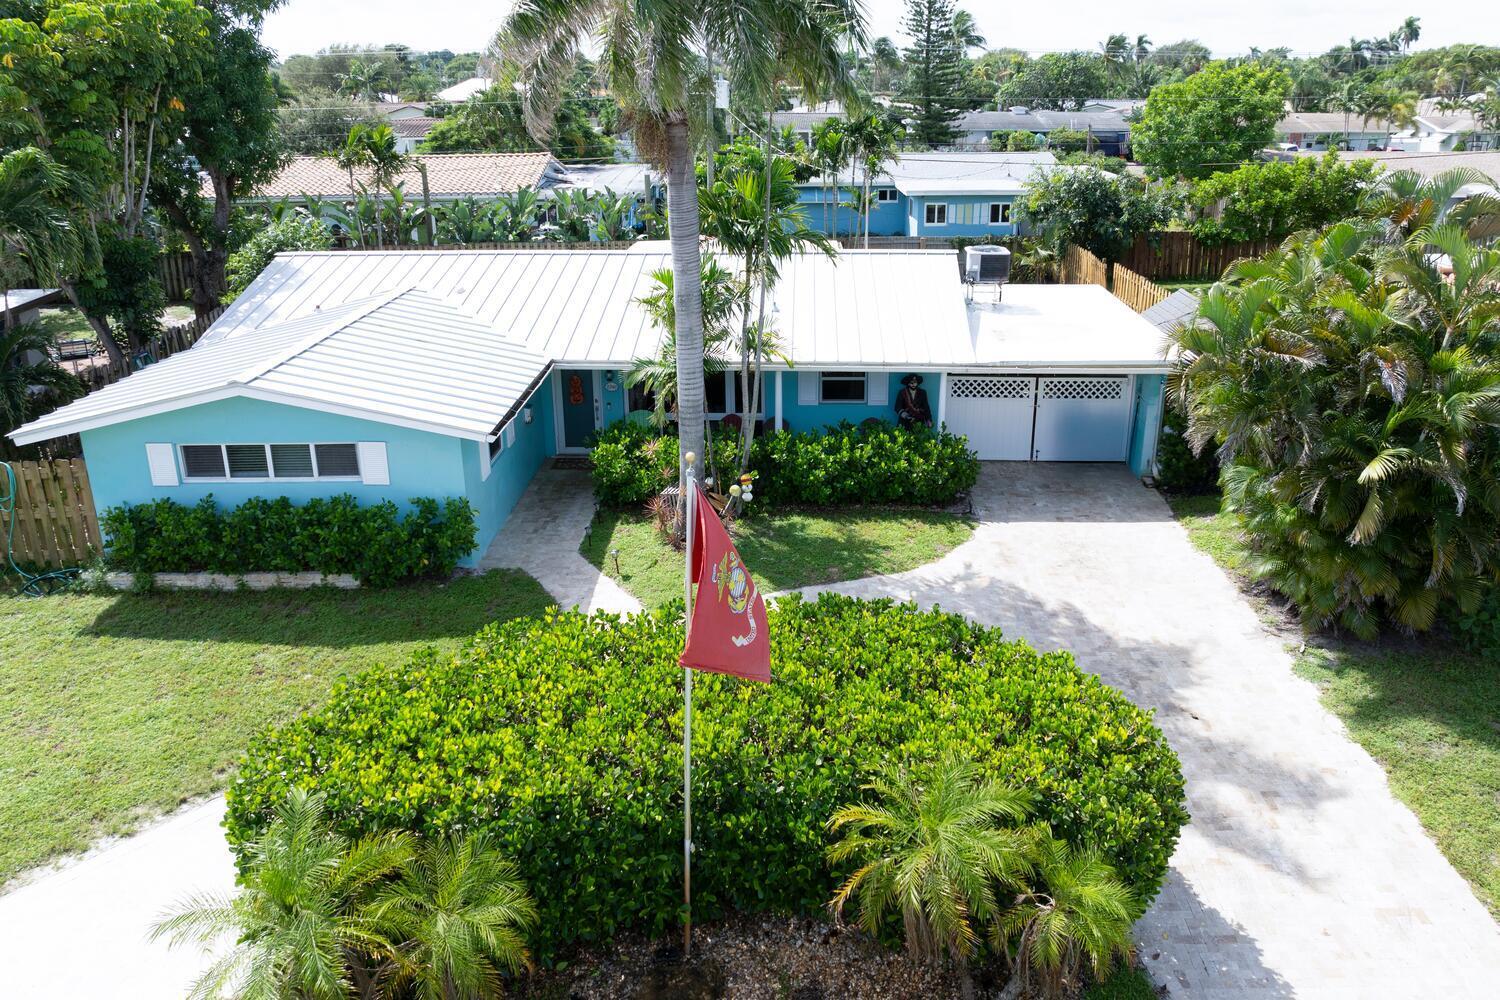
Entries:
{"x":1300,"y":875}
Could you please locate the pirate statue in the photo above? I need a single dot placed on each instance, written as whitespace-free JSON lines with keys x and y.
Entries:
{"x":911,"y":404}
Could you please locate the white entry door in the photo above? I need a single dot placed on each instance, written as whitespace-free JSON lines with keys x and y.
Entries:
{"x":994,"y":412}
{"x":1082,"y":418}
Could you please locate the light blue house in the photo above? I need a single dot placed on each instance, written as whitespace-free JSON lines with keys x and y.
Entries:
{"x":403,"y":374}
{"x":934,"y":194}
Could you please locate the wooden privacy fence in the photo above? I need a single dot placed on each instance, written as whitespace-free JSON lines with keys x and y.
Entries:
{"x":56,"y":525}
{"x":176,"y":275}
{"x":1135,"y":291}
{"x":164,"y":345}
{"x":1079,"y":267}
{"x":1182,"y":255}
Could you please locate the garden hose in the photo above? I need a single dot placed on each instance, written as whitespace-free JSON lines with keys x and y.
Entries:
{"x":32,"y":584}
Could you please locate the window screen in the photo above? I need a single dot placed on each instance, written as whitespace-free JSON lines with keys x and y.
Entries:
{"x":292,"y":461}
{"x":202,"y":461}
{"x":337,"y":460}
{"x":843,"y":387}
{"x":885,"y":194}
{"x":247,"y":461}
{"x":937,"y":215}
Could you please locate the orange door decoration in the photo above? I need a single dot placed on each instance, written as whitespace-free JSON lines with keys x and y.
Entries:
{"x":575,"y":390}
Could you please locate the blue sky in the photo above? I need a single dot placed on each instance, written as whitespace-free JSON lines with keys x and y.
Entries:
{"x":307,"y":25}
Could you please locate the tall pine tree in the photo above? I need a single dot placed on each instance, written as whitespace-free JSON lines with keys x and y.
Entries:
{"x":933,"y":91}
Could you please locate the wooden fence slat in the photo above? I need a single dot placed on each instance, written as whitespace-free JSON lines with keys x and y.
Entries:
{"x":56,"y":525}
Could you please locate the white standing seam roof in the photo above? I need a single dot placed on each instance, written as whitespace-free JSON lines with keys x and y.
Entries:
{"x":407,"y":358}
{"x":454,"y":341}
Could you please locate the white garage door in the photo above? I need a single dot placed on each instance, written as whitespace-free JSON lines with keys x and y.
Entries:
{"x":994,"y":412}
{"x":1082,"y":418}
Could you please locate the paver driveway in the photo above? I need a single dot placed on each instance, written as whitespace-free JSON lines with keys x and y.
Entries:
{"x":1299,"y":875}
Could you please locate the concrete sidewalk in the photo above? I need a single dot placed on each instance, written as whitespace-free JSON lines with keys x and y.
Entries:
{"x":79,"y":932}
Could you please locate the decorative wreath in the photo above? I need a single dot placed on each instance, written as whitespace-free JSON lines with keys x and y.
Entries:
{"x":575,"y":390}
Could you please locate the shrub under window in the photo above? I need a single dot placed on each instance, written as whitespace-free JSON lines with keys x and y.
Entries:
{"x":377,"y":543}
{"x":562,"y":738}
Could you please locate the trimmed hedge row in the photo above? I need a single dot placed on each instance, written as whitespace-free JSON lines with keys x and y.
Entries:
{"x":873,"y":463}
{"x":562,"y":735}
{"x":335,"y":535}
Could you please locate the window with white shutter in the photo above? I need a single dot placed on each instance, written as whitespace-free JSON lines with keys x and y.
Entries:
{"x":162,"y":463}
{"x":372,"y":465}
{"x":807,"y":388}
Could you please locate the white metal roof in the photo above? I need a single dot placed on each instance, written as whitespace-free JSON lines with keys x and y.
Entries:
{"x":406,"y":357}
{"x":1063,"y":328}
{"x":452,"y":341}
{"x":1173,"y":311}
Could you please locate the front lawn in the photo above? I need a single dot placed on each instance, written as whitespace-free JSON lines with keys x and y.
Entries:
{"x":1426,"y":710}
{"x":783,"y":551}
{"x":116,"y":708}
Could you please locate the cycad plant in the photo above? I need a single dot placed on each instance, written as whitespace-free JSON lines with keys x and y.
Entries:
{"x":1409,"y":201}
{"x":1352,"y":388}
{"x":302,"y":920}
{"x":935,"y":846}
{"x":1076,"y":913}
{"x":459,"y":912}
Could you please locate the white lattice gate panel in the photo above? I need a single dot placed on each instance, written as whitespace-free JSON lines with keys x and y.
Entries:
{"x":1082,"y":418}
{"x":994,"y":412}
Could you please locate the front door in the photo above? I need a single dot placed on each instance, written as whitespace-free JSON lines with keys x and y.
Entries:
{"x":577,"y":407}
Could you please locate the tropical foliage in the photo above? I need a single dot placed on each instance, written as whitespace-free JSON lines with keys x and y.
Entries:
{"x":31,"y":383}
{"x":1214,"y":120}
{"x":323,"y":916}
{"x":1099,"y":211}
{"x":559,"y":738}
{"x":1352,"y":388}
{"x":294,"y":232}
{"x":1273,"y":200}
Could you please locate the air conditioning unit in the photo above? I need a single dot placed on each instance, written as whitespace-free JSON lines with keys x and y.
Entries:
{"x":987,"y":264}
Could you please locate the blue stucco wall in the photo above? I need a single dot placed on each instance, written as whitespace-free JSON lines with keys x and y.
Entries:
{"x":1147,"y":422}
{"x":968,"y":215}
{"x":422,"y":464}
{"x":887,"y":218}
{"x":511,"y":470}
{"x":800,"y":417}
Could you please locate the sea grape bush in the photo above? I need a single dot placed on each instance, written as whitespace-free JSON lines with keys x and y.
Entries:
{"x":561,"y":737}
{"x":846,"y":465}
{"x":333,"y":535}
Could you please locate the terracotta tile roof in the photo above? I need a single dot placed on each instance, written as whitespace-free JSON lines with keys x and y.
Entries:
{"x":449,"y":175}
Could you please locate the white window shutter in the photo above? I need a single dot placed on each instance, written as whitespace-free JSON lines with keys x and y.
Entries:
{"x":373,"y":468}
{"x":163,"y":464}
{"x":877,"y":388}
{"x":807,"y":388}
{"x":510,"y":434}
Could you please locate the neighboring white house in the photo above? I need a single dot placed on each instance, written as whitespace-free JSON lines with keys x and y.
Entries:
{"x":1321,"y":130}
{"x":1440,"y":132}
{"x":465,"y":89}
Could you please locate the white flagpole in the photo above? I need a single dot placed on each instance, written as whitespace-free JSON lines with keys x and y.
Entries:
{"x":689,"y":509}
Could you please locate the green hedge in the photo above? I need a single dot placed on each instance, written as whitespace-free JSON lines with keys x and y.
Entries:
{"x":562,"y":737}
{"x":874,"y":463}
{"x":845,"y":465}
{"x":334,"y":535}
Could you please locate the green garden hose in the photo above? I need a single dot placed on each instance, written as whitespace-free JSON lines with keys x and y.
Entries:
{"x":32,"y":584}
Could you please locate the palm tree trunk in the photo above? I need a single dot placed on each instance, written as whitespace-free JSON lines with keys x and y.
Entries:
{"x":687,"y":284}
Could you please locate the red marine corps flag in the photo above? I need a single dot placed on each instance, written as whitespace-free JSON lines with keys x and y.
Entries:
{"x":727,"y":633}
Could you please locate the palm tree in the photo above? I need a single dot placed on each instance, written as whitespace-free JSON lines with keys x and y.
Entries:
{"x":647,"y":51}
{"x":934,"y":847}
{"x":875,"y":143}
{"x":753,"y":211}
{"x":1409,"y":202}
{"x":721,"y":296}
{"x":459,"y":911}
{"x":20,"y":379}
{"x":302,"y":920}
{"x":1409,"y":32}
{"x":355,"y":155}
{"x":966,"y":32}
{"x":1078,"y":913}
{"x":37,"y":235}
{"x":1355,"y":402}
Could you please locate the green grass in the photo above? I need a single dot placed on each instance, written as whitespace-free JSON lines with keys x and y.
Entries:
{"x":1191,"y":284}
{"x":1426,"y":710}
{"x":1125,"y":984}
{"x":783,"y":552}
{"x":116,"y":708}
{"x":64,"y":324}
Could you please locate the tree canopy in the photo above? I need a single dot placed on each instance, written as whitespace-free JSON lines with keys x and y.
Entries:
{"x":1214,"y":120}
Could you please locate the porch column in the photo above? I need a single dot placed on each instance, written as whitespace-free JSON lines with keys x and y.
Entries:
{"x":942,"y":399}
{"x":777,"y":382}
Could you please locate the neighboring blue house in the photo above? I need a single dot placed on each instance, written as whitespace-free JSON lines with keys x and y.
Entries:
{"x":394,"y":375}
{"x":941,"y":194}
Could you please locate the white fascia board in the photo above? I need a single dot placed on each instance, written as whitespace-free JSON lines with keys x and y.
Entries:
{"x":64,"y":428}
